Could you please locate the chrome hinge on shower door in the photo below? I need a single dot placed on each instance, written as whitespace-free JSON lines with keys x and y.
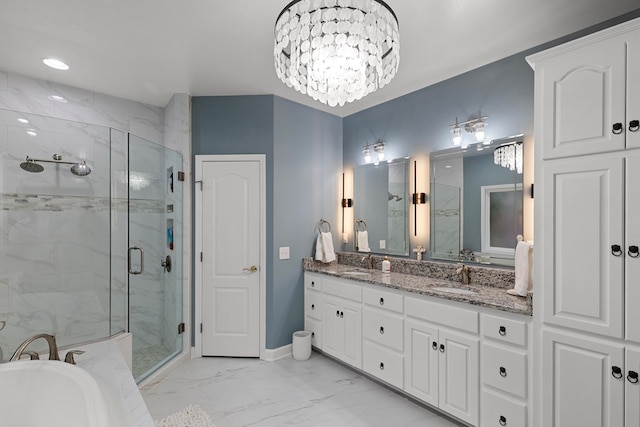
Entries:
{"x":181,"y":328}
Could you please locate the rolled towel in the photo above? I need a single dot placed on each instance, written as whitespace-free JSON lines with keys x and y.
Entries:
{"x":324,"y":247}
{"x":363,"y":241}
{"x":523,"y":268}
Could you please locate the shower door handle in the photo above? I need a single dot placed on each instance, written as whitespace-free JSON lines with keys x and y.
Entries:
{"x":135,"y":248}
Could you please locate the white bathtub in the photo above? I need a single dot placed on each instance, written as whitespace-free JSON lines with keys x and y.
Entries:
{"x":35,"y":393}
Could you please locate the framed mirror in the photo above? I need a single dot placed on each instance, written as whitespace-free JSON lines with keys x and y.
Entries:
{"x":381,"y":207}
{"x":477,"y":202}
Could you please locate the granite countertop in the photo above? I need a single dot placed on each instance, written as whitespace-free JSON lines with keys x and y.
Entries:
{"x":486,"y":296}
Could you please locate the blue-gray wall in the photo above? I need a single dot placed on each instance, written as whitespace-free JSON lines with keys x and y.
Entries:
{"x":303,"y":147}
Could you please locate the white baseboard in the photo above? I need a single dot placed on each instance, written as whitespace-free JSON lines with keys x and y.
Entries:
{"x":271,"y":355}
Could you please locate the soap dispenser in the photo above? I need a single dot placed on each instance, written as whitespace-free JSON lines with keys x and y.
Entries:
{"x":386,"y":265}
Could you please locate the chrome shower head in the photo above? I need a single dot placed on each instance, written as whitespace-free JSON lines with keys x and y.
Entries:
{"x":80,"y":169}
{"x":31,"y":166}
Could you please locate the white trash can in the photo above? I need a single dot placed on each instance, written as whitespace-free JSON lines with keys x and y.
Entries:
{"x":301,"y":347}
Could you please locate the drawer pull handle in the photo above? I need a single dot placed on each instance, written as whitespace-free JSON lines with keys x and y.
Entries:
{"x":434,"y":345}
{"x":502,"y":420}
{"x":616,"y":250}
{"x":632,"y":377}
{"x":503,"y":371}
{"x":617,"y":128}
{"x":634,"y":125}
{"x":633,"y":251}
{"x":382,"y":329}
{"x":313,"y":306}
{"x":441,"y":348}
{"x":381,"y":301}
{"x":502,"y":330}
{"x":616,"y":372}
{"x":382,"y":366}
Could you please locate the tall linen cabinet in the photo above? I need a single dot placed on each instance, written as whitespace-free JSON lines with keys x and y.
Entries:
{"x":587,"y":231}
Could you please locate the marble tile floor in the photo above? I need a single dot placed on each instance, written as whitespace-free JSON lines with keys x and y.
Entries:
{"x":314,"y":393}
{"x":147,"y":358}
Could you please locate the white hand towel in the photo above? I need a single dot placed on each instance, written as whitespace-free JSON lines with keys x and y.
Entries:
{"x":363,"y":241}
{"x":324,"y":248}
{"x":523,"y":269}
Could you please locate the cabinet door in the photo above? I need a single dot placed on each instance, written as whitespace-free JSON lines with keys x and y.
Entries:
{"x":583,"y":271}
{"x":632,"y":388}
{"x":633,"y":89}
{"x":350,"y":327}
{"x":458,"y":379}
{"x":578,"y":386}
{"x":582,"y":96}
{"x":331,"y":343}
{"x":632,"y":261}
{"x":421,"y":361}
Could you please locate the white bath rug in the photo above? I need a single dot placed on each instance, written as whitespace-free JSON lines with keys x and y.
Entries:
{"x":191,"y":416}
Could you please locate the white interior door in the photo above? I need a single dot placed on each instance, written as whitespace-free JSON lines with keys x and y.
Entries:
{"x":230,"y":258}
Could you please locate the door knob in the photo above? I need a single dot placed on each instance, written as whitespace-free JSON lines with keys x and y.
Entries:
{"x":251,"y":269}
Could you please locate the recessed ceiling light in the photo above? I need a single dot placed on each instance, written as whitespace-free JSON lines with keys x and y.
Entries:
{"x":57,"y":98}
{"x":55,"y":63}
{"x":31,"y":132}
{"x":25,"y":121}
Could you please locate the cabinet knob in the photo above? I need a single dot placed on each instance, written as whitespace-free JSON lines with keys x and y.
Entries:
{"x":632,"y":377}
{"x":633,"y":251}
{"x":616,"y":372}
{"x":617,"y":128}
{"x":313,"y":284}
{"x":382,"y":329}
{"x":502,"y":420}
{"x":313,"y":306}
{"x":382,"y":366}
{"x":441,"y":348}
{"x":313,"y":334}
{"x":381,"y":301}
{"x":434,"y":345}
{"x":634,"y":125}
{"x":616,"y":250}
{"x":502,"y":330}
{"x":337,"y":313}
{"x":503,"y":371}
{"x":341,"y":314}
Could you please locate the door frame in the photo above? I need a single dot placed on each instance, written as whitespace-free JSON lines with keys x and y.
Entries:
{"x":198,"y":309}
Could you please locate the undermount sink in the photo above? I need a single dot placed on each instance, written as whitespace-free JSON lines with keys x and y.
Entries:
{"x":37,"y":393}
{"x":454,"y":290}
{"x":356,"y":273}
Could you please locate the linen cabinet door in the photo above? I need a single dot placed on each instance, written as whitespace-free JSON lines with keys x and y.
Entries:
{"x":632,"y":246}
{"x":459,"y":382}
{"x":584,"y":256}
{"x":633,"y":89}
{"x":582,"y":99}
{"x":351,"y":336}
{"x":632,"y":388}
{"x":421,"y":361}
{"x":331,"y":333}
{"x":583,"y":383}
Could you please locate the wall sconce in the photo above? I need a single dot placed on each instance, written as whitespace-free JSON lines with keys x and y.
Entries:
{"x":378,"y":148}
{"x":416,"y":198}
{"x":475,"y":126}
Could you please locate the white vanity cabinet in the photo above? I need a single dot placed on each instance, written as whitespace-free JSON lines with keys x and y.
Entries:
{"x":587,"y":229}
{"x":342,"y":320}
{"x":441,"y":356}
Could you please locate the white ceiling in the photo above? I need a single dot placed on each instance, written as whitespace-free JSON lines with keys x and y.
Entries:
{"x":147,"y":50}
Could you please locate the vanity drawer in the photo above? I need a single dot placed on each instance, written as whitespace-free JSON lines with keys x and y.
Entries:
{"x":383,"y":363}
{"x":383,"y":299}
{"x":502,"y":329}
{"x":315,"y":327}
{"x":505,"y":369}
{"x":498,"y":411}
{"x":383,"y":328}
{"x":342,"y":289}
{"x":312,"y":281}
{"x":442,"y":313}
{"x":313,"y":304}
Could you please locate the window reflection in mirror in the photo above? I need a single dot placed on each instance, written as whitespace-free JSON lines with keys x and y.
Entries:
{"x":476,"y":205}
{"x":381,"y":207}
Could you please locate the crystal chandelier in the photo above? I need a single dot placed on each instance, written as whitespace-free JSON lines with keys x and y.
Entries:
{"x":336,"y":51}
{"x":509,"y":156}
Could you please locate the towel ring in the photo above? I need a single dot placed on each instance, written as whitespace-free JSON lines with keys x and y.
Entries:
{"x":322,"y":223}
{"x":361,"y":225}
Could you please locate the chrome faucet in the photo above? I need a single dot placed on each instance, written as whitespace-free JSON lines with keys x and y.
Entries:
{"x":463,"y":272}
{"x":369,"y":261}
{"x":51,"y":340}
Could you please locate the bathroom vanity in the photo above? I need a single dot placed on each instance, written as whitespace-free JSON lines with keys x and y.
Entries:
{"x":463,"y":349}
